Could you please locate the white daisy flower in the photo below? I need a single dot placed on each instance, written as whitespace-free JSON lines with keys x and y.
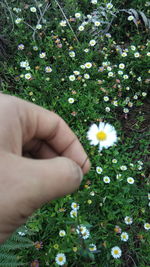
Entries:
{"x":86,"y":234}
{"x":75,"y":206}
{"x":147,"y":226}
{"x":92,"y":42}
{"x":42,"y":55}
{"x":106,"y":98}
{"x":92,"y":193}
{"x":104,"y":135}
{"x":125,"y":76}
{"x":149,"y":196}
{"x":73,"y":213}
{"x":77,"y":15}
{"x":18,"y":20}
{"x":82,"y":67}
{"x":86,"y":50}
{"x":109,"y":68}
{"x":126,"y":110}
{"x":97,"y":23}
{"x":20,"y":47}
{"x":110,"y":74}
{"x":116,"y":252}
{"x":92,"y":247}
{"x":63,"y":23}
{"x":24,"y":64}
{"x":28,"y":68}
{"x":114,"y":160}
{"x":76,"y":72}
{"x":123,"y":167}
{"x":35,"y":48}
{"x":72,"y":54}
{"x":128,"y":220}
{"x":94,"y":2}
{"x":81,"y":28}
{"x":148,"y":54}
{"x":72,"y":78}
{"x":124,"y":236}
{"x":133,"y":48}
{"x":136,"y":54}
{"x":38,"y":26}
{"x":120,"y":72}
{"x":121,"y":66}
{"x":28,"y":76}
{"x":118,"y":177}
{"x":124,"y":54}
{"x":99,"y":170}
{"x":86,"y":76}
{"x":71,"y":100}
{"x":144,"y":94}
{"x":48,"y":69}
{"x":88,"y":65}
{"x":106,"y":179}
{"x":60,"y":259}
{"x":62,"y":233}
{"x":107,"y":109}
{"x":33,"y":9}
{"x":130,"y":18}
{"x":109,"y":6}
{"x":81,"y":229}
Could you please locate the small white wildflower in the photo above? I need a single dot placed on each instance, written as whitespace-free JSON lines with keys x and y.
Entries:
{"x":92,"y":247}
{"x":81,"y":28}
{"x":114,"y":161}
{"x":107,"y":109}
{"x":86,"y":234}
{"x":110,"y":74}
{"x":88,"y":65}
{"x":86,"y":76}
{"x":124,"y":54}
{"x":148,"y":54}
{"x":86,"y":50}
{"x":121,"y":66}
{"x":109,"y":68}
{"x":18,"y":20}
{"x":123,"y":168}
{"x":115,"y":103}
{"x":63,"y":23}
{"x":72,"y":54}
{"x":99,"y":170}
{"x":60,"y":259}
{"x":97,"y":23}
{"x":35,"y":48}
{"x":20,"y":47}
{"x":133,"y":48}
{"x":108,"y":35}
{"x":92,"y":42}
{"x":38,"y":26}
{"x":33,"y":9}
{"x":116,"y":252}
{"x":109,"y":6}
{"x":136,"y":54}
{"x":71,"y":100}
{"x":130,"y":180}
{"x":120,"y":72}
{"x":94,"y":2}
{"x":62,"y":233}
{"x":147,"y":226}
{"x":106,"y":179}
{"x":73,"y":213}
{"x":144,"y":94}
{"x":106,"y":98}
{"x":48,"y":69}
{"x":77,"y":15}
{"x":75,"y":206}
{"x":124,"y":236}
{"x":130,"y":18}
{"x":28,"y":76}
{"x":42,"y":55}
{"x":76,"y":72}
{"x":126,"y":110}
{"x":72,"y":78}
{"x":82,"y":67}
{"x":135,"y":97}
{"x":125,"y":77}
{"x":128,"y":220}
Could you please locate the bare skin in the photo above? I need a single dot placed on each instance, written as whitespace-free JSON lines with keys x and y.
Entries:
{"x":41,"y":159}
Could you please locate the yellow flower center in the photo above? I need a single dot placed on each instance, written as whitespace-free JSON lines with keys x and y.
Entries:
{"x":116,"y":252}
{"x":101,"y":136}
{"x":60,"y":259}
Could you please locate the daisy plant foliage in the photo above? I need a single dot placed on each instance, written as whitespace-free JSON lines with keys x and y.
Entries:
{"x":92,"y":70}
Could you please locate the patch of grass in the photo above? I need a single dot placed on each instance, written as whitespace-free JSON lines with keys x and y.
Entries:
{"x":102,"y":207}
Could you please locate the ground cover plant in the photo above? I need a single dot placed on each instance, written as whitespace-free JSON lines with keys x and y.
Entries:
{"x":89,"y":62}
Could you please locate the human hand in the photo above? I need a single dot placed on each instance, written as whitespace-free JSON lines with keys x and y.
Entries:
{"x":51,"y":169}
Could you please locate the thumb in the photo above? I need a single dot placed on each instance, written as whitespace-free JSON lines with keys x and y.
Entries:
{"x":50,"y":179}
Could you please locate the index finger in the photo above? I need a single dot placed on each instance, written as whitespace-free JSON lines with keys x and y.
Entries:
{"x":50,"y":127}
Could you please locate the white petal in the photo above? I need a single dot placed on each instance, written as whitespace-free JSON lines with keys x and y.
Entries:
{"x":109,"y":128}
{"x":101,"y":126}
